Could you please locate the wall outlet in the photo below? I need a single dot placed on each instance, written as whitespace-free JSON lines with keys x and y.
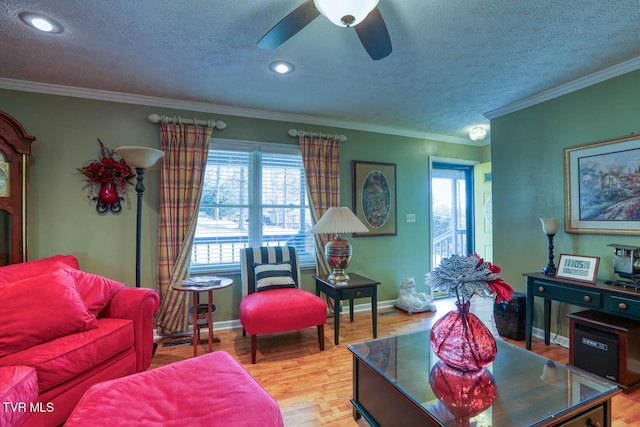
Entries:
{"x":410,"y":217}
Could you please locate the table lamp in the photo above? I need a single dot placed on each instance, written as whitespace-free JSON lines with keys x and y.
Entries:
{"x":140,"y":158}
{"x":550,"y":228}
{"x":338,"y":251}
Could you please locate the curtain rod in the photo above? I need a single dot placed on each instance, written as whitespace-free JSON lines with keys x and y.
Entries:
{"x":301,"y":134}
{"x":155,"y":118}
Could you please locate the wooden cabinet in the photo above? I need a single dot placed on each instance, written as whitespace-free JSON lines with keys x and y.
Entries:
{"x":606,"y":345}
{"x":15,"y":147}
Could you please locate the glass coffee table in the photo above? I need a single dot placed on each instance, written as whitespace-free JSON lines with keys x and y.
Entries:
{"x":399,"y":381}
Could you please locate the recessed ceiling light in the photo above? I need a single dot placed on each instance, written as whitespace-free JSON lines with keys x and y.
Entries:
{"x":281,"y":67}
{"x":41,"y":22}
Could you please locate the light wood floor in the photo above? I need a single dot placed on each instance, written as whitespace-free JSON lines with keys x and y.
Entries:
{"x":313,"y":388}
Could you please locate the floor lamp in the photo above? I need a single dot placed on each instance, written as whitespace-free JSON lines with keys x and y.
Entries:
{"x":140,"y":158}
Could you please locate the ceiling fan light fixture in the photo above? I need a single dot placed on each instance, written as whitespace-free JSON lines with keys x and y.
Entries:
{"x":345,"y":13}
{"x":478,"y":133}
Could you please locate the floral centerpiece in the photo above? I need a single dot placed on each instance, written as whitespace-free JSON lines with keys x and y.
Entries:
{"x":465,"y":276}
{"x":459,"y":338}
{"x":111,"y":175}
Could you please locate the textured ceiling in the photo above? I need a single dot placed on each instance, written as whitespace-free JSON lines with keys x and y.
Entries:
{"x":452,"y":61}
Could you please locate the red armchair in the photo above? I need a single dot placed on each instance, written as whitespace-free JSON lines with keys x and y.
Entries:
{"x":272,"y":301}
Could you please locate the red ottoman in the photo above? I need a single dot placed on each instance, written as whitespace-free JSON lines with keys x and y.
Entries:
{"x":209,"y":390}
{"x":18,"y":391}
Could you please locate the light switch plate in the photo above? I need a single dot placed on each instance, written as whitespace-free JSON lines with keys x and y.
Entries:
{"x":410,"y":217}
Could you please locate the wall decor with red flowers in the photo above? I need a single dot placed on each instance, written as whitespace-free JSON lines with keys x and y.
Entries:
{"x":111,"y":176}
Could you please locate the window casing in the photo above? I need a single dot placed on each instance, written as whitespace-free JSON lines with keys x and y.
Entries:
{"x":254,"y":194}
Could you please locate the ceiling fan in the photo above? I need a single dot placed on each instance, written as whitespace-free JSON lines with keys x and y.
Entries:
{"x":363,"y":15}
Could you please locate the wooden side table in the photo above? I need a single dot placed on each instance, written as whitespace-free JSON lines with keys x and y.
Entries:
{"x":195,"y":291}
{"x":357,"y":287}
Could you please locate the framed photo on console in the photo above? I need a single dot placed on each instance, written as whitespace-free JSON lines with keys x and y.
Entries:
{"x":578,"y":267}
{"x":602,"y":187}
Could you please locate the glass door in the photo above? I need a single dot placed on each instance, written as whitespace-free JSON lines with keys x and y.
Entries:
{"x":451,"y":210}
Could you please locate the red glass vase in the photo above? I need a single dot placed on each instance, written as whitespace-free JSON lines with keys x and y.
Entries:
{"x":108,"y":198}
{"x":463,"y":394}
{"x":462,"y":341}
{"x":108,"y":193}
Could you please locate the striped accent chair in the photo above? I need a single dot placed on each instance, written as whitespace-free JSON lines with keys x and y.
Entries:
{"x":271,"y":299}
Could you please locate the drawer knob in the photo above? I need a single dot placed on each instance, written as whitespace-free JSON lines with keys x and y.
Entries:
{"x":591,"y":423}
{"x":541,"y":289}
{"x":622,"y":306}
{"x":587,"y":298}
{"x":358,"y":293}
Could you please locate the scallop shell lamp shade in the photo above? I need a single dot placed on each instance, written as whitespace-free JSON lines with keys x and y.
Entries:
{"x":139,"y":157}
{"x":339,"y":220}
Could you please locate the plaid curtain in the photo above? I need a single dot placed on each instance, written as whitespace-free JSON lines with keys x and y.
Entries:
{"x":186,"y":149}
{"x":322,"y":169}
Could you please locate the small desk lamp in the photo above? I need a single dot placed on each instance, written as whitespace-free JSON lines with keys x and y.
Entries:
{"x":141,"y":158}
{"x":338,"y":251}
{"x":550,"y":228}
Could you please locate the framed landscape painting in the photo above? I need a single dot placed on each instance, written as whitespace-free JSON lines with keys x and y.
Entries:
{"x":374,"y":197}
{"x":602,"y":187}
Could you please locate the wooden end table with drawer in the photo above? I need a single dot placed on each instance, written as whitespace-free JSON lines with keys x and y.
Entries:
{"x":357,"y":287}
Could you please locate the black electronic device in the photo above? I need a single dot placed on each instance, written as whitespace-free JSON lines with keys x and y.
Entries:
{"x":605,"y":345}
{"x":596,"y":351}
{"x":510,"y":317}
{"x":626,"y":264}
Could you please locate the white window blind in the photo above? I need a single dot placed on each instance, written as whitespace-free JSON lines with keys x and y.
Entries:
{"x":253,"y":195}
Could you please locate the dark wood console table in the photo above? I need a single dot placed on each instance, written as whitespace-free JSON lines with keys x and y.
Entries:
{"x":613,"y":299}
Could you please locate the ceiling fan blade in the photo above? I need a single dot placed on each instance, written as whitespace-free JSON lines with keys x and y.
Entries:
{"x":374,"y":35}
{"x":289,"y":26}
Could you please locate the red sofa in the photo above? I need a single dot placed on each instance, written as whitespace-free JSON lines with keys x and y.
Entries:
{"x":63,"y":330}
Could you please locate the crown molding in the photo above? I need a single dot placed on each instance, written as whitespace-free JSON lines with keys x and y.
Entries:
{"x":102,"y":95}
{"x":581,"y":83}
{"x":126,"y":98}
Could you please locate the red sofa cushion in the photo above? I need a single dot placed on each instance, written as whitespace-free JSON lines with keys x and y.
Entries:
{"x":209,"y":390}
{"x":96,"y":291}
{"x":41,"y":309}
{"x":18,"y":386}
{"x":280,"y":310}
{"x":14,"y":272}
{"x":67,"y":357}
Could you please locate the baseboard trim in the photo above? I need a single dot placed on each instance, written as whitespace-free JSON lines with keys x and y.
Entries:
{"x":560,"y":340}
{"x":235,"y":324}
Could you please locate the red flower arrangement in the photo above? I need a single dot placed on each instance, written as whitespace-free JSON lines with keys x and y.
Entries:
{"x":107,"y":169}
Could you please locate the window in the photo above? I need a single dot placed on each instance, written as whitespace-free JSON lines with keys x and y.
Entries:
{"x":254,"y":194}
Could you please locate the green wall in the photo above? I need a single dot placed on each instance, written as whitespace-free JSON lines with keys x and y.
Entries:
{"x":62,"y":220}
{"x":528,"y":176}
